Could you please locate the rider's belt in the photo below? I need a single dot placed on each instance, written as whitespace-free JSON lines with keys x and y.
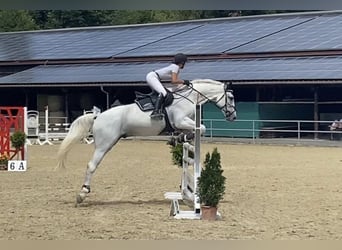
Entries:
{"x":157,"y":75}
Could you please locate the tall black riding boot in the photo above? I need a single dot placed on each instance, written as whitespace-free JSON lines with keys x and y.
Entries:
{"x":157,"y":113}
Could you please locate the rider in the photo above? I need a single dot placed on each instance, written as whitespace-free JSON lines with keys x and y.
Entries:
{"x":169,"y":73}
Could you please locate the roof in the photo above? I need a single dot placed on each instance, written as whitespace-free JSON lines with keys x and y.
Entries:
{"x":285,"y":33}
{"x":242,"y":71}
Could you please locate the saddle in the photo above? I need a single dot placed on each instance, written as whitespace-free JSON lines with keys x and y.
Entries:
{"x":147,"y":101}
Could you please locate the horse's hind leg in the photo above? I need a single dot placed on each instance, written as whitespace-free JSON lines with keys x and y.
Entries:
{"x":91,"y":167}
{"x":98,"y":155}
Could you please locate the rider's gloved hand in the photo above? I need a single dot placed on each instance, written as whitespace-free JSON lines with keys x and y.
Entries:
{"x":187,"y":82}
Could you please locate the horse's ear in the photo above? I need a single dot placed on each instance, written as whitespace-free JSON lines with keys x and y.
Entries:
{"x":228,"y":86}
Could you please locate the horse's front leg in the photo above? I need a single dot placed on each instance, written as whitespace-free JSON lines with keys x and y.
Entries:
{"x":189,"y":124}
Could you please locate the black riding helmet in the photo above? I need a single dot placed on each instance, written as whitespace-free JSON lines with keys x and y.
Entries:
{"x":180,"y":58}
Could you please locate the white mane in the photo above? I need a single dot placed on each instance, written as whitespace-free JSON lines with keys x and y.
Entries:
{"x":199,"y":81}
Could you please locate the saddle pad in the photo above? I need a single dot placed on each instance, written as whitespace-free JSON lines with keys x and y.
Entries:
{"x":144,"y":103}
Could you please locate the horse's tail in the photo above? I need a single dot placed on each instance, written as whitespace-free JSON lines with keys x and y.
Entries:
{"x":79,"y":129}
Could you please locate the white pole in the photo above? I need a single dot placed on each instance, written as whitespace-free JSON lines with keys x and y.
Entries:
{"x":26,"y":132}
{"x":46,"y":127}
{"x":197,"y":166}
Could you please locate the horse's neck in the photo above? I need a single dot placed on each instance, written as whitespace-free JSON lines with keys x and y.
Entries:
{"x":201,"y":93}
{"x":192,"y":96}
{"x":204,"y":92}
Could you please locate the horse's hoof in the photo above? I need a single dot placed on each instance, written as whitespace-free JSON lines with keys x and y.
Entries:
{"x":80,"y":198}
{"x":189,"y":137}
{"x":172,"y":142}
{"x":180,"y":138}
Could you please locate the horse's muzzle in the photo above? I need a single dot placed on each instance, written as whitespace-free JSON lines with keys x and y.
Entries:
{"x":230,"y":116}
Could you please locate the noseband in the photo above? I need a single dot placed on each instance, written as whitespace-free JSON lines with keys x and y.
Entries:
{"x":226,"y":104}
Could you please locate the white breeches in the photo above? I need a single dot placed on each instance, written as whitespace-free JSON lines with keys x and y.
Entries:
{"x":154,"y":83}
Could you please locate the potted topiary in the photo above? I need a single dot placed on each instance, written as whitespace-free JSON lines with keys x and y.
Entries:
{"x":4,"y":158}
{"x":18,"y":139}
{"x":211,"y":185}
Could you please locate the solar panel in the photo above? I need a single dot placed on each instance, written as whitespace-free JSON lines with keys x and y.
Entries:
{"x":203,"y":37}
{"x":84,"y":43}
{"x":117,"y":72}
{"x":218,"y":36}
{"x":237,"y":69}
{"x":271,"y":69}
{"x":321,"y":33}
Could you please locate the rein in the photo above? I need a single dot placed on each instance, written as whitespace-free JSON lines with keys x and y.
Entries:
{"x":183,"y":96}
{"x":216,"y":103}
{"x":224,"y":95}
{"x":193,"y":89}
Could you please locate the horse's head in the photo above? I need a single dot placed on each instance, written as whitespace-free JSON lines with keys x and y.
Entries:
{"x":336,"y":125}
{"x":227,"y":103}
{"x":220,"y":94}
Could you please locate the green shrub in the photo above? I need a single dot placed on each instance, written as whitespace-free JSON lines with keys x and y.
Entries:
{"x":177,"y":154}
{"x":18,"y":139}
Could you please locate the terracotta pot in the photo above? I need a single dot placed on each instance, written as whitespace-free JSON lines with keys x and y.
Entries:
{"x":3,"y":166}
{"x":208,"y":213}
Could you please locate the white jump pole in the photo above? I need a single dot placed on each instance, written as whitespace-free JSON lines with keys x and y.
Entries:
{"x":197,"y":165}
{"x":46,"y":141}
{"x":26,"y":133}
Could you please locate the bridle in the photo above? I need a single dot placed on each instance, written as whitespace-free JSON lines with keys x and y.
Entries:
{"x":227,"y":104}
